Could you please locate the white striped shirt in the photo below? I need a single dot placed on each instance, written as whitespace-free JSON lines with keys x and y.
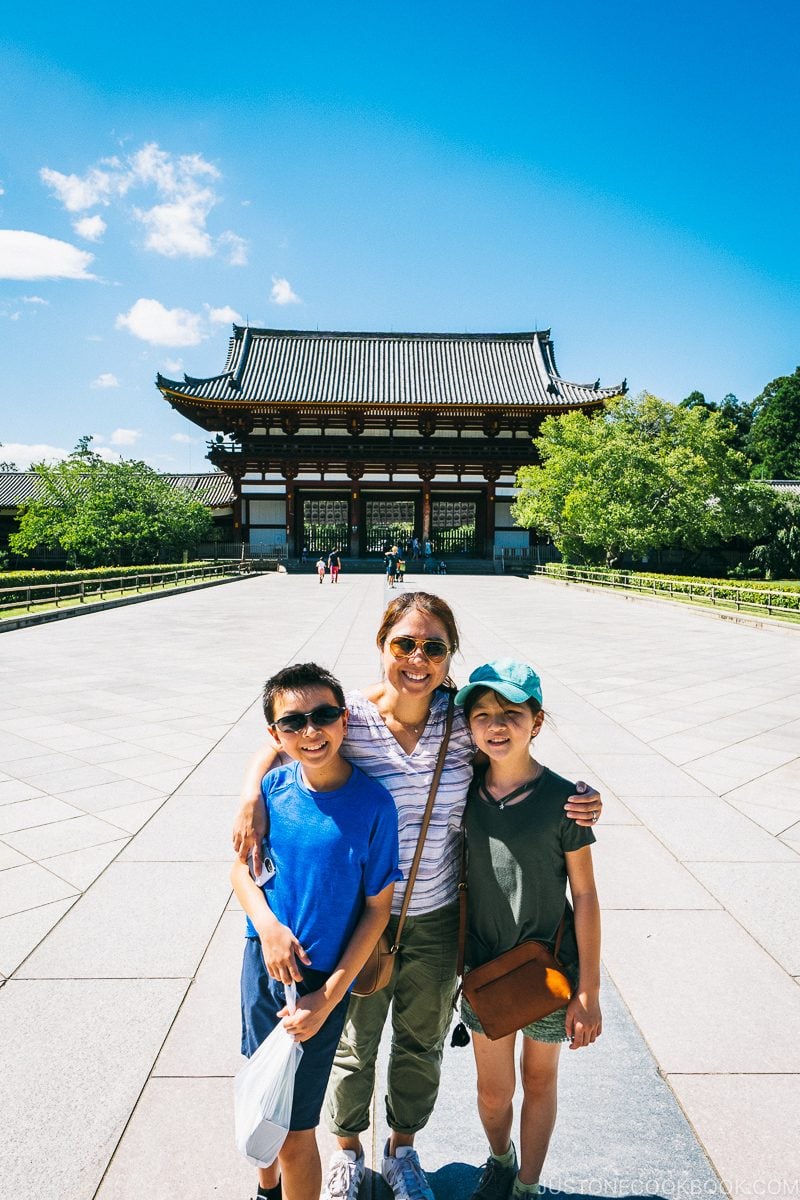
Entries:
{"x":408,"y":777}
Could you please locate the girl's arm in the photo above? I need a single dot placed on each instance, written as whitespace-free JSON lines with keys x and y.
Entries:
{"x":312,"y":1010}
{"x":279,"y":946}
{"x":251,"y":820}
{"x":584,"y":1019}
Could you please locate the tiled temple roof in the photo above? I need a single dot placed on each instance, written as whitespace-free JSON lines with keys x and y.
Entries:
{"x":215,"y":488}
{"x":272,"y":366}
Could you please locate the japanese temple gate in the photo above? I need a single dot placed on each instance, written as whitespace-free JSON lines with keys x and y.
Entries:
{"x":359,"y":440}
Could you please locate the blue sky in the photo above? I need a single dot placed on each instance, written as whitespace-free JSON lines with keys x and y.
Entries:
{"x":625,"y":174}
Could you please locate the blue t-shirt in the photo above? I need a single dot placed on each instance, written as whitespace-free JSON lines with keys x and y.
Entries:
{"x":330,"y":850}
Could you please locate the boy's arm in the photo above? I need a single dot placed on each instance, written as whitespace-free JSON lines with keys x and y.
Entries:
{"x":584,"y":1020}
{"x":312,"y":1010}
{"x":279,"y":946}
{"x":251,"y":820}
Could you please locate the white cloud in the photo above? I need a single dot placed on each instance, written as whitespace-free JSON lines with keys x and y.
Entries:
{"x":96,"y":187}
{"x":25,"y":255}
{"x":178,"y":229}
{"x":173,"y":366}
{"x":223,"y":316}
{"x":25,"y":455}
{"x":183,"y":438}
{"x":125,"y":437}
{"x":175,"y":226}
{"x":150,"y":321}
{"x":91,"y":228}
{"x":35,"y":300}
{"x":282,"y":292}
{"x":106,"y":380}
{"x":236,"y":247}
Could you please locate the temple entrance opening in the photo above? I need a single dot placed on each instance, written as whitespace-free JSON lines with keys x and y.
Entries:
{"x":390,"y":523}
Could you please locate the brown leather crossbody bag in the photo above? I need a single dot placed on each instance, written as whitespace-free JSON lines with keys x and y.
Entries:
{"x":518,"y":987}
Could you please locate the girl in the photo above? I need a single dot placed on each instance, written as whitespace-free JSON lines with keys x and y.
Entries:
{"x":521,"y":850}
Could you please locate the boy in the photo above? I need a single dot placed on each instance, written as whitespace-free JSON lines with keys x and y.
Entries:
{"x":333,"y":852}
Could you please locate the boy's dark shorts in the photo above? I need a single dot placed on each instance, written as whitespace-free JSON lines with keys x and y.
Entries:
{"x":262,"y":999}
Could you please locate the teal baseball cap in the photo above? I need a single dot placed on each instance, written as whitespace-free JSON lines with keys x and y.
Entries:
{"x":516,"y":681}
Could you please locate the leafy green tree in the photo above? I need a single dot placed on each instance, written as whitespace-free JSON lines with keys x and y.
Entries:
{"x":108,"y":513}
{"x":778,"y":554}
{"x":774,"y":440}
{"x":698,"y":400}
{"x":641,"y":476}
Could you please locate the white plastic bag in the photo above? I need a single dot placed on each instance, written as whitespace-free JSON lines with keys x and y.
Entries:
{"x":264,"y":1090}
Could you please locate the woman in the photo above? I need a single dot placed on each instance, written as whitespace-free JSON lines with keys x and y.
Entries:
{"x":394,"y":733}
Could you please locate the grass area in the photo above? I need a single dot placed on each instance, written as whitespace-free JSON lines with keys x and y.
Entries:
{"x":89,"y":598}
{"x":774,"y":599}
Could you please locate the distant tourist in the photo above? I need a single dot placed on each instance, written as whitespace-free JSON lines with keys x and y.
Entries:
{"x":321,"y":569}
{"x":442,"y":567}
{"x":427,"y":553}
{"x":400,"y":570}
{"x":391,"y":557}
{"x":334,"y":565}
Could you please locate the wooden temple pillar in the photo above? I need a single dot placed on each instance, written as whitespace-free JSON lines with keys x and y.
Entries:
{"x":289,"y":472}
{"x":426,"y":472}
{"x":491,"y":474}
{"x":354,"y":472}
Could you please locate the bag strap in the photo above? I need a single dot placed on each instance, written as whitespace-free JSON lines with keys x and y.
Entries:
{"x":426,"y":820}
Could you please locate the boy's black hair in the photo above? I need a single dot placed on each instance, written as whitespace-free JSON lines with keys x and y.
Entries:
{"x":474,"y":696}
{"x":298,"y":675}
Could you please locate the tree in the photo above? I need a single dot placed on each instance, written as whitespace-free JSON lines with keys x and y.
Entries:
{"x":108,"y":514}
{"x":774,"y":440}
{"x":698,"y":400}
{"x":641,"y":476}
{"x":778,"y":554}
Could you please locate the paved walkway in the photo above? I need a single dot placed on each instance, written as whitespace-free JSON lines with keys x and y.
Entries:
{"x":122,"y":738}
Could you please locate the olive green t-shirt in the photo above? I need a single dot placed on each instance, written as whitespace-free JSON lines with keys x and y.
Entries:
{"x":516,"y":870}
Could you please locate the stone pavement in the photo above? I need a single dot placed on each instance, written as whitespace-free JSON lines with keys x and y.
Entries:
{"x":122,"y":739}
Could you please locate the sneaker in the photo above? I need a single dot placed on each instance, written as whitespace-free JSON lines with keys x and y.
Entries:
{"x":496,"y":1181}
{"x":404,"y":1175}
{"x":345,"y":1172}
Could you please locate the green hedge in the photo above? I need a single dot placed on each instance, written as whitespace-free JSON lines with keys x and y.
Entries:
{"x":14,"y":579}
{"x":754,"y":593}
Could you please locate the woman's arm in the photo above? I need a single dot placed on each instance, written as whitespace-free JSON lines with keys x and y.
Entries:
{"x":584,"y":1020}
{"x":312,"y":1010}
{"x":279,"y":946}
{"x":251,"y":820}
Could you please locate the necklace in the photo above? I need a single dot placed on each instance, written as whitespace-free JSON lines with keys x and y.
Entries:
{"x":527,"y":786}
{"x":413,"y":727}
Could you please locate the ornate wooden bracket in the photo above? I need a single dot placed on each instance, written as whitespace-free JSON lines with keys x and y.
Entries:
{"x":355,"y":424}
{"x":290,"y":423}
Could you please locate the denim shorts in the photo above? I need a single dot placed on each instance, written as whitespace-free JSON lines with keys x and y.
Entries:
{"x":262,"y":1000}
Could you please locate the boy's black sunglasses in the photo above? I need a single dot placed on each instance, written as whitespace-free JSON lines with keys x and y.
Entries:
{"x":434,"y":649}
{"x":324,"y":714}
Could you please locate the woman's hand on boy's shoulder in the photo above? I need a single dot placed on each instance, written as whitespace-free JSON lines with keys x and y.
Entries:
{"x":249,"y":828}
{"x":585,"y":805}
{"x":584,"y":1021}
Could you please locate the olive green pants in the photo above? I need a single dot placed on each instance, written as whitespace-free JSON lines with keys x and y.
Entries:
{"x":420,"y":996}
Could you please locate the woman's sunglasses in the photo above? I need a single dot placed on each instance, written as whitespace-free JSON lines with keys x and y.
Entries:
{"x":434,"y":649}
{"x":325,"y":714}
